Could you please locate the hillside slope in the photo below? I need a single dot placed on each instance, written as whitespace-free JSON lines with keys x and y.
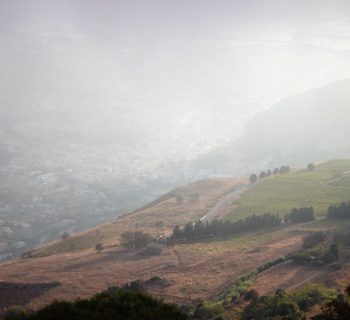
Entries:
{"x":188,"y":272}
{"x":196,"y":200}
{"x":300,"y":129}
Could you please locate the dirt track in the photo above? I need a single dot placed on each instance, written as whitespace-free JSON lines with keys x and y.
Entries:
{"x":224,"y":201}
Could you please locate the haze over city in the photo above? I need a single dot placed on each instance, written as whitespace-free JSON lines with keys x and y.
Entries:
{"x":175,"y":159}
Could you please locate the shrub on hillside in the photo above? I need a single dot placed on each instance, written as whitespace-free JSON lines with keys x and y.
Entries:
{"x":301,"y":215}
{"x":288,"y":306}
{"x":340,"y":212}
{"x":253,"y":178}
{"x":262,"y":175}
{"x":337,"y":309}
{"x":310,"y":167}
{"x":284,"y":169}
{"x":251,"y":295}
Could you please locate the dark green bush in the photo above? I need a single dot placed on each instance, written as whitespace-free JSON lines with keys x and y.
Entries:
{"x":287,"y":306}
{"x":121,"y":304}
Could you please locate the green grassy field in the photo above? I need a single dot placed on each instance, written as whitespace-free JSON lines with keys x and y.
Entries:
{"x":328,"y":184}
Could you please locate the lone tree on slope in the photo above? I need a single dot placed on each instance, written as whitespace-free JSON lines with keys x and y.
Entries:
{"x":253,"y":178}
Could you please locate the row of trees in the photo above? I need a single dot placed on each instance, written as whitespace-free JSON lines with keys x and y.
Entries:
{"x":282,"y":170}
{"x":341,"y":211}
{"x":217,"y":228}
{"x":263,"y":174}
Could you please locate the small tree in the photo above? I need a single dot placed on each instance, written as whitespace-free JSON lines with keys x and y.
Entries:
{"x":310,"y":167}
{"x":276,"y":171}
{"x":251,"y":295}
{"x":178,"y":232}
{"x":262,"y":175}
{"x":284,"y":169}
{"x":98,"y":247}
{"x":253,"y":178}
{"x":65,"y":235}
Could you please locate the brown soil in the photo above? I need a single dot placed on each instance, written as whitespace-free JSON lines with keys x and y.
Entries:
{"x":192,"y":277}
{"x":288,"y":276}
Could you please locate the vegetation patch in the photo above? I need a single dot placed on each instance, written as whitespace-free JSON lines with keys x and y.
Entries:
{"x":121,"y":304}
{"x":293,"y":305}
{"x":241,"y":285}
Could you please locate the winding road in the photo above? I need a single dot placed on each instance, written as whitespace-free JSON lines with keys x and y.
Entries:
{"x":227,"y":199}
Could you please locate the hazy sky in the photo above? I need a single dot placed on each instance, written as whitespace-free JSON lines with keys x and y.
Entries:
{"x":174,"y":78}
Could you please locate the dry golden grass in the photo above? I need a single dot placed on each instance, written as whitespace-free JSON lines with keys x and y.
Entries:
{"x":195,"y":272}
{"x":165,"y":209}
{"x":192,"y":276}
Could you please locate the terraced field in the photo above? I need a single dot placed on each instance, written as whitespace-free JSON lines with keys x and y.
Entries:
{"x":328,"y":184}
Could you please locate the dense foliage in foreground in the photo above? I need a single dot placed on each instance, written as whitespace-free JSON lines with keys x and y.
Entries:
{"x":337,"y":309}
{"x":123,"y":305}
{"x":287,"y":306}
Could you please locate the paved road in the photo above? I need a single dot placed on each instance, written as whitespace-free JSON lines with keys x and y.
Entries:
{"x":227,"y":199}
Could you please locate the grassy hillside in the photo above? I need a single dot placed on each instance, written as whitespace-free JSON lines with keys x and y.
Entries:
{"x":328,"y":184}
{"x":165,"y":209}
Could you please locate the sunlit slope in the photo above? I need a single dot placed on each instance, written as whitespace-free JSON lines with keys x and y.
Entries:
{"x":166,"y":209}
{"x":328,"y":184}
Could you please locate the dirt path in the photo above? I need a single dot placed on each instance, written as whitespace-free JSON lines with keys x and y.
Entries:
{"x":178,"y":258}
{"x":337,"y":178}
{"x":224,"y":201}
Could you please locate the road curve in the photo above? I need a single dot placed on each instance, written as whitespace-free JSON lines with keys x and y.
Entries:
{"x":215,"y":211}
